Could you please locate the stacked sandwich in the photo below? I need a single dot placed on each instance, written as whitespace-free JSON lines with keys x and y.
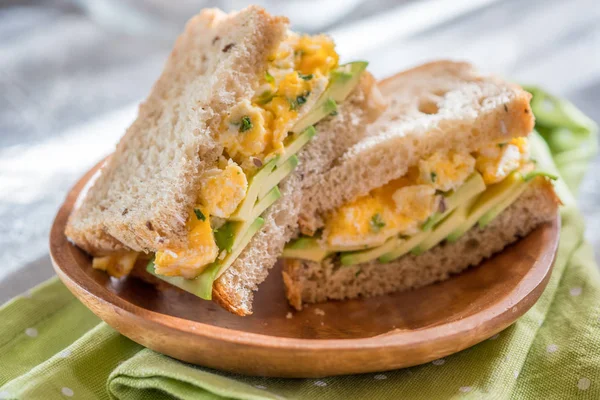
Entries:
{"x":202,"y":183}
{"x":255,"y":135}
{"x":442,"y":180}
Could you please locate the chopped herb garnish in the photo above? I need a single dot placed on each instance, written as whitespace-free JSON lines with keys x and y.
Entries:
{"x":302,"y":98}
{"x":376,"y":223}
{"x":298,"y":53}
{"x":199,"y":215}
{"x":246,"y":124}
{"x":333,"y":113}
{"x":305,"y":77}
{"x":501,"y":145}
{"x":433,"y":177}
{"x":358,"y":272}
{"x":269,"y":78}
{"x":299,"y":101}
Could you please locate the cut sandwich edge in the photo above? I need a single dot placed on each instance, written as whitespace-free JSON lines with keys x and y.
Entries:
{"x":311,"y":282}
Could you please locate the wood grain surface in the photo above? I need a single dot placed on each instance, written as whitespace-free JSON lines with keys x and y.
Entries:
{"x":334,"y":338}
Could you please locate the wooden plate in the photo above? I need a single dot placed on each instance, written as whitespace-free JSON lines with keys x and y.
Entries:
{"x":356,"y":336}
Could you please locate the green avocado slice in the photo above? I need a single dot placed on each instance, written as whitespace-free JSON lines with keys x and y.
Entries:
{"x":502,"y":205}
{"x":201,"y":286}
{"x":494,"y":195}
{"x":305,"y":248}
{"x":403,"y":247}
{"x":473,"y":186}
{"x":342,"y":82}
{"x":244,"y":211}
{"x":229,"y":235}
{"x":359,"y":257}
{"x":295,"y":144}
{"x":444,"y":228}
{"x":278,"y":174}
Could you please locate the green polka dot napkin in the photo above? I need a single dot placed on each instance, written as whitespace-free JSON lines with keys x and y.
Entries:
{"x":52,"y":347}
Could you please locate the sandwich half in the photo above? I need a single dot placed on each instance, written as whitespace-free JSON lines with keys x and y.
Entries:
{"x":442,"y":180}
{"x":203,"y":187}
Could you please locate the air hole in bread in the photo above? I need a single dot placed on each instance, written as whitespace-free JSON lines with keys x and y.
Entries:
{"x":428,"y":106}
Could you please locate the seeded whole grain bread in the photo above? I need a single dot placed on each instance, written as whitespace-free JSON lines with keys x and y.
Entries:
{"x":438,"y":106}
{"x":143,"y":196}
{"x":312,"y":282}
{"x":234,"y":289}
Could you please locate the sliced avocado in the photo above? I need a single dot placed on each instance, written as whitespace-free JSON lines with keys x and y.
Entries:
{"x":343,"y":81}
{"x":356,"y":247}
{"x":501,"y":206}
{"x":306,"y":249}
{"x":359,"y":257}
{"x":533,"y":174}
{"x":277,"y":176}
{"x":494,"y":195}
{"x":322,"y":108}
{"x":225,"y":235}
{"x":296,"y":143}
{"x":444,"y":228}
{"x":229,"y":235}
{"x":239,"y":246}
{"x":201,"y":286}
{"x":470,"y":188}
{"x":255,"y":183}
{"x":403,"y":247}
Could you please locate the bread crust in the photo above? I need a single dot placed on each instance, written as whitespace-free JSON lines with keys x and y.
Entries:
{"x":439,"y":106}
{"x":142,"y":199}
{"x":310,"y":282}
{"x":234,"y":290}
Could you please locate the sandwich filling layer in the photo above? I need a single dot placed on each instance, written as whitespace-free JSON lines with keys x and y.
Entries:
{"x":301,"y":85}
{"x":441,"y":197}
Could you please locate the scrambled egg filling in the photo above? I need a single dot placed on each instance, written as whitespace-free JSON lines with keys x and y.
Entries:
{"x":403,"y":205}
{"x":201,"y":251}
{"x":297,"y":73}
{"x":496,"y":161}
{"x":252,"y":132}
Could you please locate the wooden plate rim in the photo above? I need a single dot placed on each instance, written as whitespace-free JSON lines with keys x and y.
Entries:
{"x":518,"y":298}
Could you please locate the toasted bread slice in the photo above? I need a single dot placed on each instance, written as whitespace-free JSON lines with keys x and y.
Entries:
{"x":311,"y":282}
{"x":438,"y":106}
{"x":142,"y":198}
{"x":234,"y":289}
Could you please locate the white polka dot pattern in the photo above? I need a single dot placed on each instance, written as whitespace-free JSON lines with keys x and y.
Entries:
{"x":575,"y":291}
{"x":31,"y":332}
{"x":584,"y":384}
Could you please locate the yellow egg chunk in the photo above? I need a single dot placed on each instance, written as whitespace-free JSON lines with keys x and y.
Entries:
{"x":117,"y":264}
{"x":397,"y":207}
{"x":244,"y":134}
{"x":201,"y":251}
{"x":222,"y":191}
{"x":496,"y":161}
{"x":416,"y":202}
{"x":315,"y":53}
{"x":446,"y":171}
{"x":257,"y":129}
